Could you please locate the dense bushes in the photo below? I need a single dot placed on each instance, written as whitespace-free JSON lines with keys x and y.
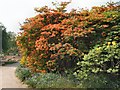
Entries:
{"x":55,"y":41}
{"x":86,"y":42}
{"x":49,"y":80}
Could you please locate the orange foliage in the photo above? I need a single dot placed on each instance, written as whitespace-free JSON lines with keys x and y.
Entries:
{"x":53,"y":40}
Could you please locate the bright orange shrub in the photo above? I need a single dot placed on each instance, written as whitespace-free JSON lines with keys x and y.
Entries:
{"x":54,"y":41}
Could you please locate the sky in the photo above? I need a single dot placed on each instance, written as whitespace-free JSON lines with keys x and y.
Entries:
{"x":14,"y":12}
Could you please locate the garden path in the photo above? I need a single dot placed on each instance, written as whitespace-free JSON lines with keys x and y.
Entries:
{"x":8,"y":78}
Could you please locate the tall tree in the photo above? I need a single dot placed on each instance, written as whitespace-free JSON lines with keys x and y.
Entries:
{"x":4,"y":38}
{"x":0,"y":38}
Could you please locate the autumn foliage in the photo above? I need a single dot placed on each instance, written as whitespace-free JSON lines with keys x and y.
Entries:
{"x":55,"y":40}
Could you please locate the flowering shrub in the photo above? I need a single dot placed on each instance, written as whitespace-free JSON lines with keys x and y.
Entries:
{"x":54,"y":40}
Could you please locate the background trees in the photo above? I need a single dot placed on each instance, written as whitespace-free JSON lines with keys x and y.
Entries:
{"x":8,"y":42}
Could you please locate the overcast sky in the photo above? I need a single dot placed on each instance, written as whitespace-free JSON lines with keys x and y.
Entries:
{"x":13,"y":12}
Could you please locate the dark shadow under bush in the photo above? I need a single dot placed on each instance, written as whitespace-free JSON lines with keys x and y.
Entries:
{"x":100,"y":81}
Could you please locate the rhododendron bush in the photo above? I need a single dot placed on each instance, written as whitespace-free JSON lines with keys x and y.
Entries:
{"x":55,"y":40}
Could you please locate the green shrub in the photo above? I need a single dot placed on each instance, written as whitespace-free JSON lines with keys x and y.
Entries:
{"x":49,"y":80}
{"x":103,"y":58}
{"x":22,"y":73}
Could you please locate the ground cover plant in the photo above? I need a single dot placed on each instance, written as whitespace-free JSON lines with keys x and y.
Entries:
{"x":43,"y":80}
{"x":84,"y":42}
